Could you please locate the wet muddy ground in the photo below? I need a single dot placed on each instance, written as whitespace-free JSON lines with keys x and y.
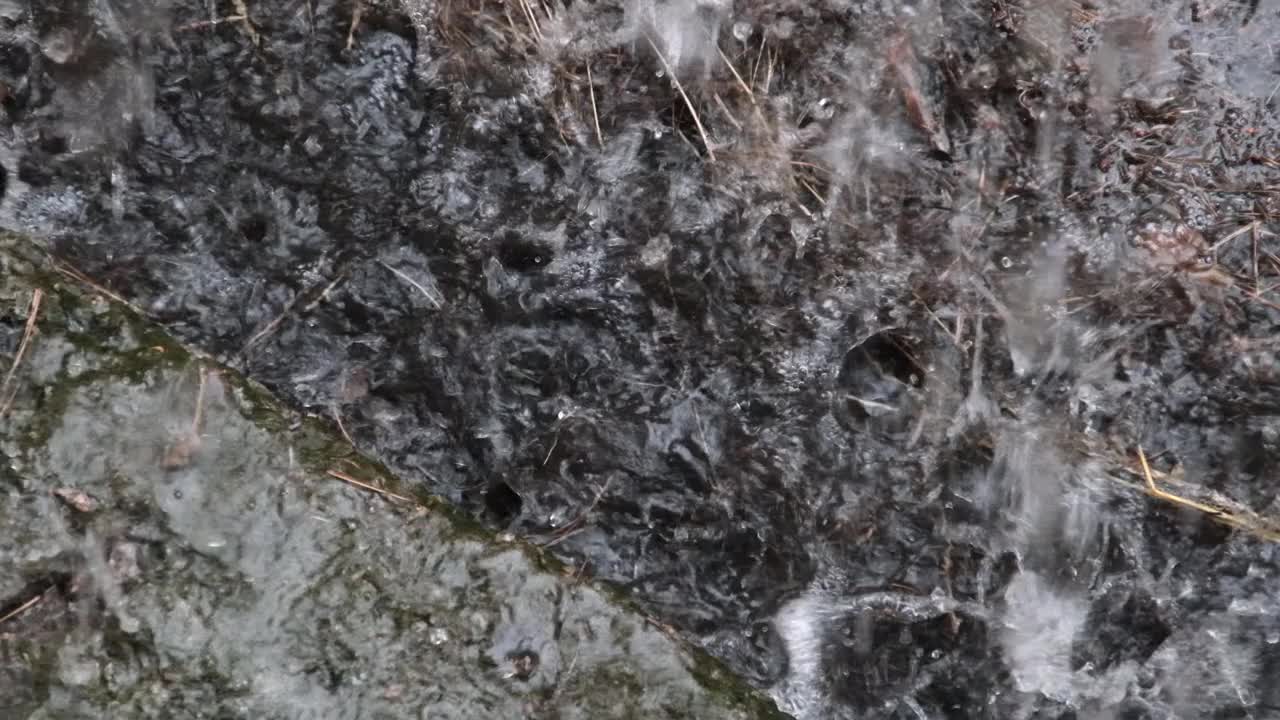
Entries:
{"x":837,"y":334}
{"x":176,"y":545}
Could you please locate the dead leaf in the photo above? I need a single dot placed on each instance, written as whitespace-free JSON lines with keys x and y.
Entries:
{"x":79,"y":500}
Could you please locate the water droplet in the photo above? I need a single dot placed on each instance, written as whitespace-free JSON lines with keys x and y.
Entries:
{"x":1006,"y":262}
{"x":438,"y":636}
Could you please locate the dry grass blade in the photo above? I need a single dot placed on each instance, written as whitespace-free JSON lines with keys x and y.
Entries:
{"x":198,"y":419}
{"x":711,"y":156}
{"x":532,"y":16}
{"x":1237,"y":233}
{"x":595,"y":114}
{"x":1242,"y":519}
{"x":741,"y":83}
{"x":7,"y":392}
{"x":728,"y":113}
{"x":371,"y":488}
{"x":405,"y":277}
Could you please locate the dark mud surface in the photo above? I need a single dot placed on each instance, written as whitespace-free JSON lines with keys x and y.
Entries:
{"x":845,"y":372}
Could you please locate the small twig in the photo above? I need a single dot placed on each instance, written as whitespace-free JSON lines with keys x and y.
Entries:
{"x":366,"y":486}
{"x":291,"y":308}
{"x":28,"y":332}
{"x":595,"y":115}
{"x":711,"y":155}
{"x":264,"y":332}
{"x":324,"y":294}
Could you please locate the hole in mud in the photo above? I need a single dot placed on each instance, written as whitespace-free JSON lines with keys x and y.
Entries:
{"x":35,"y":172}
{"x":255,"y":229}
{"x":502,"y":503}
{"x":52,"y":144}
{"x":523,"y":664}
{"x":521,"y":255}
{"x":876,"y":376}
{"x":14,"y":60}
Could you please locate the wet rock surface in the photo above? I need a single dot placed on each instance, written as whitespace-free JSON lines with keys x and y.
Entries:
{"x":838,"y":355}
{"x":237,"y":579}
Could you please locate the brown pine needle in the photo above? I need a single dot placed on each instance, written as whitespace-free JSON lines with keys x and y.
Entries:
{"x":1246,"y":520}
{"x":1176,"y":499}
{"x":85,"y":280}
{"x":741,"y":83}
{"x":28,"y":332}
{"x":595,"y":114}
{"x":22,"y":608}
{"x":366,"y":486}
{"x":812,"y":191}
{"x":711,"y":156}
